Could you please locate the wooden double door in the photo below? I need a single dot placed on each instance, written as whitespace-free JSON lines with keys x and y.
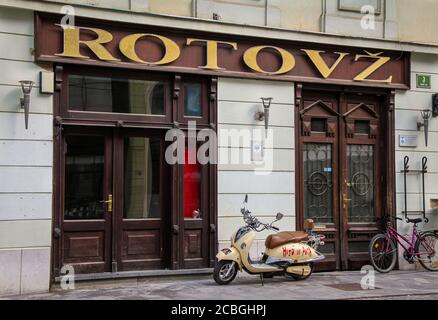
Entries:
{"x":342,"y":155}
{"x":119,"y":204}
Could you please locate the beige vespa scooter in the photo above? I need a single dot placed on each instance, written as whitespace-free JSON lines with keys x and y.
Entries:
{"x":288,"y":252}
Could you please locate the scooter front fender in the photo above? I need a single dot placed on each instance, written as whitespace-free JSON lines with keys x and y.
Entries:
{"x":230,"y":254}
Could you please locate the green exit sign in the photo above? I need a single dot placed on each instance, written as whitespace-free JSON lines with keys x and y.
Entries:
{"x":423,"y":81}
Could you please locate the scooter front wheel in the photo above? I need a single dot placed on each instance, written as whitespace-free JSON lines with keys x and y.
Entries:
{"x":224,"y":271}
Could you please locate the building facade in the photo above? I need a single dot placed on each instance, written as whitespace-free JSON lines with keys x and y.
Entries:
{"x":88,"y":183}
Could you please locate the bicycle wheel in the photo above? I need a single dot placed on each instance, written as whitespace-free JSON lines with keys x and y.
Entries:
{"x":383,"y":253}
{"x":427,"y":249}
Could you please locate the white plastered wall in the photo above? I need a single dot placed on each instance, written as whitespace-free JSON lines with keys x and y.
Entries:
{"x":408,"y":106}
{"x":25,"y":163}
{"x":270,"y":186}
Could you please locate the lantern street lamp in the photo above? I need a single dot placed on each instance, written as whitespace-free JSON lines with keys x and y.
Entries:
{"x":425,"y":114}
{"x":264,"y":115}
{"x":26,"y":87}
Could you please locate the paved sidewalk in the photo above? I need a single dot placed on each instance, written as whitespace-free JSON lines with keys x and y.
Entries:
{"x":331,"y":285}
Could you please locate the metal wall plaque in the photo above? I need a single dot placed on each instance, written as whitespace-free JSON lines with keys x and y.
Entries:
{"x":424,"y":81}
{"x":408,"y":141}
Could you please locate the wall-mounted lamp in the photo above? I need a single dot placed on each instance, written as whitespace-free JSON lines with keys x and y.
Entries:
{"x":26,"y":87}
{"x":425,"y":114}
{"x":264,"y":115}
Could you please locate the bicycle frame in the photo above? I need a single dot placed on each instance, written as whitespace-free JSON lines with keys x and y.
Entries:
{"x":393,"y":234}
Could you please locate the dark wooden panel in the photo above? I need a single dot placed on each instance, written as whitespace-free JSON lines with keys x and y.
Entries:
{"x":137,"y":224}
{"x":89,"y":267}
{"x":83,"y":246}
{"x":194,"y":263}
{"x":141,"y":264}
{"x":192,"y":243}
{"x":141,"y":244}
{"x":84,"y":225}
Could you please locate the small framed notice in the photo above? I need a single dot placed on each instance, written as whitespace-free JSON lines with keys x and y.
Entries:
{"x":408,"y":141}
{"x":257,"y":151}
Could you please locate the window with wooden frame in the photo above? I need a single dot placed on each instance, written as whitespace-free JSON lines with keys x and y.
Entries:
{"x":111,"y":94}
{"x":193,"y":102}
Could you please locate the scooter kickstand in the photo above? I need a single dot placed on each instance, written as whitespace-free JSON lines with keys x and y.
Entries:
{"x":261,"y":278}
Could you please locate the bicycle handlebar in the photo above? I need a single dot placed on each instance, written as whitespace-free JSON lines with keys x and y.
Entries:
{"x":408,"y":220}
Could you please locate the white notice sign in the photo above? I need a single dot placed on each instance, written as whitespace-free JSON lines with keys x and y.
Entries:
{"x":408,"y":141}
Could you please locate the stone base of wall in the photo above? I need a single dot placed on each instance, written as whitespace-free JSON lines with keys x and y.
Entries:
{"x":24,"y":271}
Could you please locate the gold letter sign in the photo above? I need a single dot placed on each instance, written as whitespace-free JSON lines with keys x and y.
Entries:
{"x":376,"y":65}
{"x":171,"y":49}
{"x":184,"y":54}
{"x":320,"y":64}
{"x":250,"y":58}
{"x":212,"y":52}
{"x":72,"y":43}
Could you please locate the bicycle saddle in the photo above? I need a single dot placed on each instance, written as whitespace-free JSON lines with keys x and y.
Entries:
{"x":417,"y":220}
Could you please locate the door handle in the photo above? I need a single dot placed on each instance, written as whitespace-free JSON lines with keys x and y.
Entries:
{"x":345,"y":200}
{"x":109,"y":202}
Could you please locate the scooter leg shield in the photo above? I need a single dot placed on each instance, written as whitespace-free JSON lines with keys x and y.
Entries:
{"x":230,"y":254}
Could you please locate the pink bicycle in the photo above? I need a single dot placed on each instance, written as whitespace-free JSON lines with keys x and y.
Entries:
{"x":422,"y":247}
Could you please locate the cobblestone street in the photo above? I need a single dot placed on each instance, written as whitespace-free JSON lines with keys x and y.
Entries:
{"x":406,"y":285}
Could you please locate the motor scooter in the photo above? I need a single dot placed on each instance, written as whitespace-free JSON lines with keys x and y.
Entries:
{"x":289,"y":252}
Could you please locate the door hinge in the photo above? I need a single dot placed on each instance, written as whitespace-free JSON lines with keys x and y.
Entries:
{"x":56,"y":232}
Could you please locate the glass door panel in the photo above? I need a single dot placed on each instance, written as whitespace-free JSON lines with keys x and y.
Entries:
{"x":84,"y":177}
{"x":192,"y":185}
{"x":142,"y":196}
{"x":318,"y":182}
{"x":360,"y":177}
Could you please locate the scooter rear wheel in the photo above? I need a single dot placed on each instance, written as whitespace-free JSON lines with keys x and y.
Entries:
{"x":222,"y":273}
{"x":299,"y":277}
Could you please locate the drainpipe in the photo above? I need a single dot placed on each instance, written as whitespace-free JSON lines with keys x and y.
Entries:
{"x":323,"y":15}
{"x":266,"y":13}
{"x":384,"y":18}
{"x":194,"y":8}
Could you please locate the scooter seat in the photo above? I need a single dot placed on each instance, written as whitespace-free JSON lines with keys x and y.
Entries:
{"x":280,"y":238}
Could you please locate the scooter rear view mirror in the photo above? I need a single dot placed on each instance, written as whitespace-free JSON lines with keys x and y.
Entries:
{"x":246,"y":198}
{"x":279,"y":216}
